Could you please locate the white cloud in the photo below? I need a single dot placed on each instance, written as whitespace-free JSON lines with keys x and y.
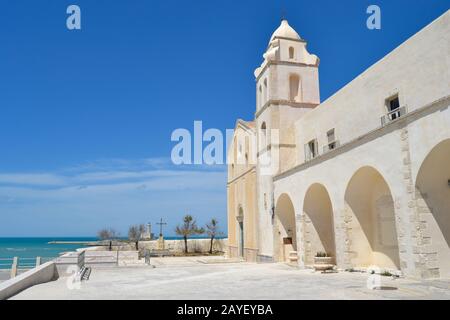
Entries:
{"x":45,"y":179}
{"x":109,"y":194}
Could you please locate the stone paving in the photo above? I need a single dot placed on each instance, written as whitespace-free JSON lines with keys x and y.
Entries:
{"x":208,"y":278}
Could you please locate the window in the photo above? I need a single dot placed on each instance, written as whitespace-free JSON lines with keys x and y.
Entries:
{"x":247,"y":148}
{"x":331,"y":140}
{"x":295,"y":88}
{"x":265,"y":201}
{"x":260,"y":97}
{"x":263,"y":136}
{"x":394,"y":104}
{"x":311,"y":150}
{"x":394,"y":110}
{"x":291,"y":52}
{"x":265,"y":91}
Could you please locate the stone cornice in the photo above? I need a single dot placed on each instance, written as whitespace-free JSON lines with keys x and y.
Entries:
{"x":382,"y":130}
{"x":283,"y":63}
{"x":253,"y":168}
{"x":285,"y":102}
{"x":279,"y":145}
{"x":244,"y":124}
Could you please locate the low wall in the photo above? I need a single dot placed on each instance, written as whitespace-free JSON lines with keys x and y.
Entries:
{"x":175,"y":246}
{"x":110,"y":258}
{"x":68,"y":260}
{"x":44,"y":273}
{"x":194,"y":245}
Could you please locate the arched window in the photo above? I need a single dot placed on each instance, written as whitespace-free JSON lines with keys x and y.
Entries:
{"x":291,"y":52}
{"x":295,"y":90}
{"x":263,"y":136}
{"x":265,"y":91}
{"x":260,"y":97}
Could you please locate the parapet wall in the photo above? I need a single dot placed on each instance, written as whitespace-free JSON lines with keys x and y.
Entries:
{"x":194,"y":245}
{"x":41,"y":274}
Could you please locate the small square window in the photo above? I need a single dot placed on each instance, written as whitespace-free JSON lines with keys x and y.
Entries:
{"x":331,"y":139}
{"x":393,"y":103}
{"x":311,"y":150}
{"x":393,"y":108}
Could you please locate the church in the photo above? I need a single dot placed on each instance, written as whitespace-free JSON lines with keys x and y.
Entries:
{"x":363,"y":177}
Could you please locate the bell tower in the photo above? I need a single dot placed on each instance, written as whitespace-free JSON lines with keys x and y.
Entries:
{"x":287,"y":86}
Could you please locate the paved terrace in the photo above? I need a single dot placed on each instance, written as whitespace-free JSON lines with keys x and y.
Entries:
{"x":212,"y":278}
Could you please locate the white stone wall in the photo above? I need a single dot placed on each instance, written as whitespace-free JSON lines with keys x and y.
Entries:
{"x":418,"y":71}
{"x":385,"y":152}
{"x":194,"y":245}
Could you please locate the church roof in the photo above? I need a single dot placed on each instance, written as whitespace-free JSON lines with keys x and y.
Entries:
{"x":285,"y":31}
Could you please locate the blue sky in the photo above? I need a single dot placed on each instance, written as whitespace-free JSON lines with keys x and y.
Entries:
{"x":86,"y":116}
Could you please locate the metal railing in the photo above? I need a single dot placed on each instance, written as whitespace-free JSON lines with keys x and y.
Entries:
{"x":393,"y":115}
{"x":331,"y":146}
{"x":16,"y":264}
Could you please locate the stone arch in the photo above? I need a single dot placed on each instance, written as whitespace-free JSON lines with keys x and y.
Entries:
{"x":433,"y":206}
{"x":295,"y":88}
{"x":291,"y":53}
{"x":317,"y":223}
{"x":285,"y":228}
{"x":370,"y":221}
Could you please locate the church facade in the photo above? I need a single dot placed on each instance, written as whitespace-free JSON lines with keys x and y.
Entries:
{"x":363,"y":176}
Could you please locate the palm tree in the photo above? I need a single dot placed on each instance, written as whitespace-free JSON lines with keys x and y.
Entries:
{"x":188,"y":228}
{"x":212,"y":229}
{"x":134,"y":234}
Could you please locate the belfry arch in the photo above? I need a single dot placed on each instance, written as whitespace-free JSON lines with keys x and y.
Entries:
{"x":433,"y":205}
{"x":370,"y":216}
{"x":285,"y":235}
{"x":318,"y":225}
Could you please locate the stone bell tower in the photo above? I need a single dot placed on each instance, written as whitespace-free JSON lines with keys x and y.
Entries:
{"x":287,"y":86}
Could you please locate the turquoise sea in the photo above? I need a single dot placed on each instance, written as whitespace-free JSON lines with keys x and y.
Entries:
{"x":30,"y":248}
{"x":35,"y":247}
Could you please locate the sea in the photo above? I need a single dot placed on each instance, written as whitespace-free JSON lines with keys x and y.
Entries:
{"x":27,"y":249}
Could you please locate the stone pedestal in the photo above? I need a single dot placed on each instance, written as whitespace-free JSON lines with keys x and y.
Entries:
{"x":161,"y":243}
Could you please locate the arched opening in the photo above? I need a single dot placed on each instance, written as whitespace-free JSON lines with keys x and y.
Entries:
{"x":260,"y":97}
{"x":285,"y":231}
{"x":370,"y":216}
{"x":295,"y":91}
{"x":433,"y":202}
{"x":266,"y":91}
{"x":263,"y":136}
{"x":240,"y":225}
{"x":291,"y":52}
{"x":318,"y":225}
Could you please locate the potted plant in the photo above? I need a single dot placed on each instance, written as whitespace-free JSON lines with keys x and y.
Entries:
{"x":323,"y":261}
